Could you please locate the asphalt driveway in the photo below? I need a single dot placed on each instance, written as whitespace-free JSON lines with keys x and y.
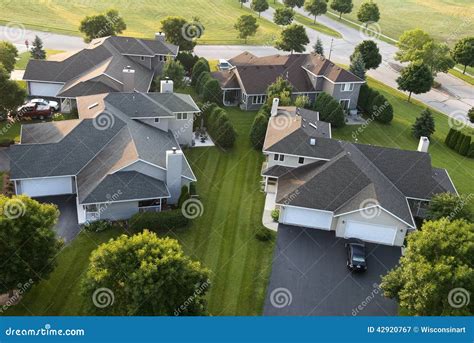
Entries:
{"x":310,"y":278}
{"x":67,"y":227}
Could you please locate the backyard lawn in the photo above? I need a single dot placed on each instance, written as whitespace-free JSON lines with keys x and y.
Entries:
{"x":24,"y":57}
{"x":222,"y":238}
{"x":142,"y":17}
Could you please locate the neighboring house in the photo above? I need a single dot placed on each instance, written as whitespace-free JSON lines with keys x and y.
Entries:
{"x":120,"y":157}
{"x":359,"y":191}
{"x":247,"y":81}
{"x":99,"y":68}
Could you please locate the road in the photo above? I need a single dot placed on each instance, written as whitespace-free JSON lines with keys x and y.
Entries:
{"x":454,"y":99}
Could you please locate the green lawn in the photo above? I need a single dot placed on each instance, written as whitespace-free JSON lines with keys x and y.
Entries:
{"x":142,"y":17}
{"x":466,"y":77}
{"x":24,"y":57}
{"x":222,"y":238}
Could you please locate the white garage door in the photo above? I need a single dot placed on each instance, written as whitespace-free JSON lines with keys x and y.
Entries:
{"x":371,"y":233}
{"x":306,"y":217}
{"x":44,"y":89}
{"x":45,"y":187}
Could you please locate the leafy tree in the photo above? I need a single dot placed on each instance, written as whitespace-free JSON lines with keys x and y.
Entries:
{"x":293,"y":3}
{"x":368,"y":12}
{"x":259,"y":6}
{"x":28,"y":243}
{"x":302,"y":101}
{"x":11,"y":94}
{"x":316,"y":7}
{"x":342,"y":6}
{"x":470,"y":114}
{"x":424,"y":124}
{"x":8,"y":55}
{"x":212,"y":91}
{"x":281,"y":89}
{"x":357,"y":66}
{"x":370,"y":54}
{"x":102,"y":25}
{"x":188,"y":60}
{"x":148,"y":276}
{"x":438,"y":259}
{"x":201,"y":66}
{"x":180,"y":32}
{"x":436,"y":56}
{"x":321,"y":101}
{"x":463,"y":52}
{"x":247,"y":26}
{"x":174,"y":70}
{"x":381,"y":110}
{"x":37,"y":52}
{"x":242,"y":2}
{"x":416,"y":78}
{"x":318,"y":47}
{"x":293,"y":38}
{"x":283,"y":16}
{"x":336,"y":117}
{"x":449,"y":205}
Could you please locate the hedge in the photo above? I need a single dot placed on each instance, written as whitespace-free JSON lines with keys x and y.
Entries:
{"x":330,"y":110}
{"x":219,"y":126}
{"x":258,"y":131}
{"x":211,"y":91}
{"x":202,"y":65}
{"x":166,"y":220}
{"x":460,"y":142}
{"x":465,"y":144}
{"x":375,"y":105}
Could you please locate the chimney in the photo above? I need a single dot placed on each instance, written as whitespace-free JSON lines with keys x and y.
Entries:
{"x":128,"y":79}
{"x":275,"y":104}
{"x":174,"y":166}
{"x":166,"y":86}
{"x":160,"y":36}
{"x":312,"y":141}
{"x":424,"y":144}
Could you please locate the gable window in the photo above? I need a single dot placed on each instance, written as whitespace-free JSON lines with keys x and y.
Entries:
{"x":142,"y":58}
{"x":282,"y":158}
{"x":275,"y":157}
{"x":259,"y":99}
{"x":347,"y":87}
{"x":181,"y":116}
{"x":301,"y":160}
{"x":157,"y":120}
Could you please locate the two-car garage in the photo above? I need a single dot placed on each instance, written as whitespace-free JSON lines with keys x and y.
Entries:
{"x":40,"y":187}
{"x":41,"y":89}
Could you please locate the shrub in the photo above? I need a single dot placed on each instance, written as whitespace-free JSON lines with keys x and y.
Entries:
{"x":192,"y":189}
{"x":454,"y":139}
{"x":321,"y":101}
{"x":337,"y":117}
{"x":382,"y":110}
{"x":302,"y":101}
{"x":459,"y":141}
{"x":216,"y":113}
{"x":263,"y":234}
{"x":371,"y":102}
{"x":331,"y":111}
{"x":465,"y":145}
{"x":212,"y":91}
{"x":166,"y":220}
{"x":258,"y":131}
{"x":449,"y":136}
{"x":202,"y":79}
{"x":364,"y":94}
{"x":471,"y":151}
{"x":188,"y":60}
{"x":424,"y":124}
{"x":201,"y":66}
{"x":183,"y":196}
{"x":227,"y":135}
{"x":470,"y":115}
{"x":275,"y":215}
{"x":98,"y":226}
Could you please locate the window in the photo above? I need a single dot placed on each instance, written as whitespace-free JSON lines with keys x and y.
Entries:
{"x":157,"y":120}
{"x":282,"y":158}
{"x":347,"y":87}
{"x":92,"y":208}
{"x":301,"y":160}
{"x":345,"y":103}
{"x":275,"y":157}
{"x":142,"y":58}
{"x":181,"y":116}
{"x":259,"y":99}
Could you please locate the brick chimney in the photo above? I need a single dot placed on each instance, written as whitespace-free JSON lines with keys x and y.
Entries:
{"x":128,"y":79}
{"x":174,"y":167}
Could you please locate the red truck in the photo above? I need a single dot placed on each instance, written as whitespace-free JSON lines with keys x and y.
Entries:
{"x":35,"y":110}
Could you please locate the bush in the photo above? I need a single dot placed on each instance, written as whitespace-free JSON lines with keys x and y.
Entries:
{"x":471,"y":151}
{"x":216,"y":113}
{"x":321,"y":101}
{"x":424,"y":125}
{"x":98,"y":226}
{"x":449,"y":136}
{"x":201,"y":66}
{"x":258,"y":131}
{"x":275,"y":215}
{"x":470,"y":115}
{"x":382,"y":110}
{"x":201,"y":81}
{"x":330,"y":110}
{"x":337,"y":117}
{"x":263,"y":234}
{"x":459,"y":141}
{"x":302,"y":101}
{"x":227,"y":135}
{"x":192,"y":189}
{"x":183,"y":196}
{"x":166,"y":220}
{"x":212,"y":91}
{"x":465,"y":145}
{"x":363,"y":97}
{"x":454,"y":139}
{"x":188,"y":60}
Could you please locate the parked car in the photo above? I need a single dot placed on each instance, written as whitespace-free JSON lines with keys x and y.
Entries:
{"x":356,"y":260}
{"x":224,"y":65}
{"x":53,"y":104}
{"x":35,"y":110}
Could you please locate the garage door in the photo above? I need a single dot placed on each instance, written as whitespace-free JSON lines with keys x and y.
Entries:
{"x":306,"y":217}
{"x":371,"y":233}
{"x":45,"y":187}
{"x":44,"y":89}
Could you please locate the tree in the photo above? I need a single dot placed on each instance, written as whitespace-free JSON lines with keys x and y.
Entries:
{"x":318,"y":47}
{"x":470,"y":114}
{"x":212,"y":91}
{"x":411,"y":44}
{"x":37,"y":52}
{"x":448,"y":205}
{"x":342,"y":6}
{"x":183,"y":196}
{"x":416,"y":78}
{"x":463,"y":52}
{"x":180,"y":32}
{"x":11,"y":94}
{"x":424,"y":125}
{"x":368,"y":12}
{"x":247,"y":26}
{"x":316,"y":7}
{"x":28,"y":243}
{"x":202,"y":80}
{"x":449,"y":136}
{"x":293,"y":3}
{"x":293,"y":38}
{"x":145,"y":275}
{"x":357,"y":66}
{"x":370,"y":54}
{"x":281,"y":89}
{"x":227,"y":135}
{"x":188,"y":60}
{"x":242,"y":2}
{"x":437,"y":261}
{"x":381,"y":110}
{"x":174,"y":70}
{"x":102,"y":25}
{"x":258,"y":131}
{"x":465,"y":145}
{"x":283,"y":16}
{"x":201,"y":66}
{"x":302,"y":101}
{"x":259,"y":6}
{"x":436,"y":56}
{"x":8,"y":55}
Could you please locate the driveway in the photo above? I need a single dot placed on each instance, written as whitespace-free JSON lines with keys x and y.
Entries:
{"x":67,"y":227}
{"x":310,"y":278}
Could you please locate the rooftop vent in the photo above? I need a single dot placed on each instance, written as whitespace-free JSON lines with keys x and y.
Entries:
{"x":312,"y":141}
{"x":313,"y":126}
{"x":95,"y":104}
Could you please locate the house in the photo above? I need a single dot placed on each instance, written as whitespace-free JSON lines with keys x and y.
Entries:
{"x":247,"y":81}
{"x":358,"y":191}
{"x":99,"y":68}
{"x":121,"y":156}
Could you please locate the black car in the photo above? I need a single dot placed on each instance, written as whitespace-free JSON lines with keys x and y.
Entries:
{"x":356,"y":257}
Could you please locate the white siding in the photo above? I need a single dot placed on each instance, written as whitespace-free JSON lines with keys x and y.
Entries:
{"x":147,"y":169}
{"x":119,"y":210}
{"x":44,"y":88}
{"x":289,"y":161}
{"x":306,"y":217}
{"x":46,"y":186}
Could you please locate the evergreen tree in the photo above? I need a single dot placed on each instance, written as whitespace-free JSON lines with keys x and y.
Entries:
{"x":357,"y":66}
{"x":37,"y":52}
{"x":424,"y":124}
{"x":318,"y":47}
